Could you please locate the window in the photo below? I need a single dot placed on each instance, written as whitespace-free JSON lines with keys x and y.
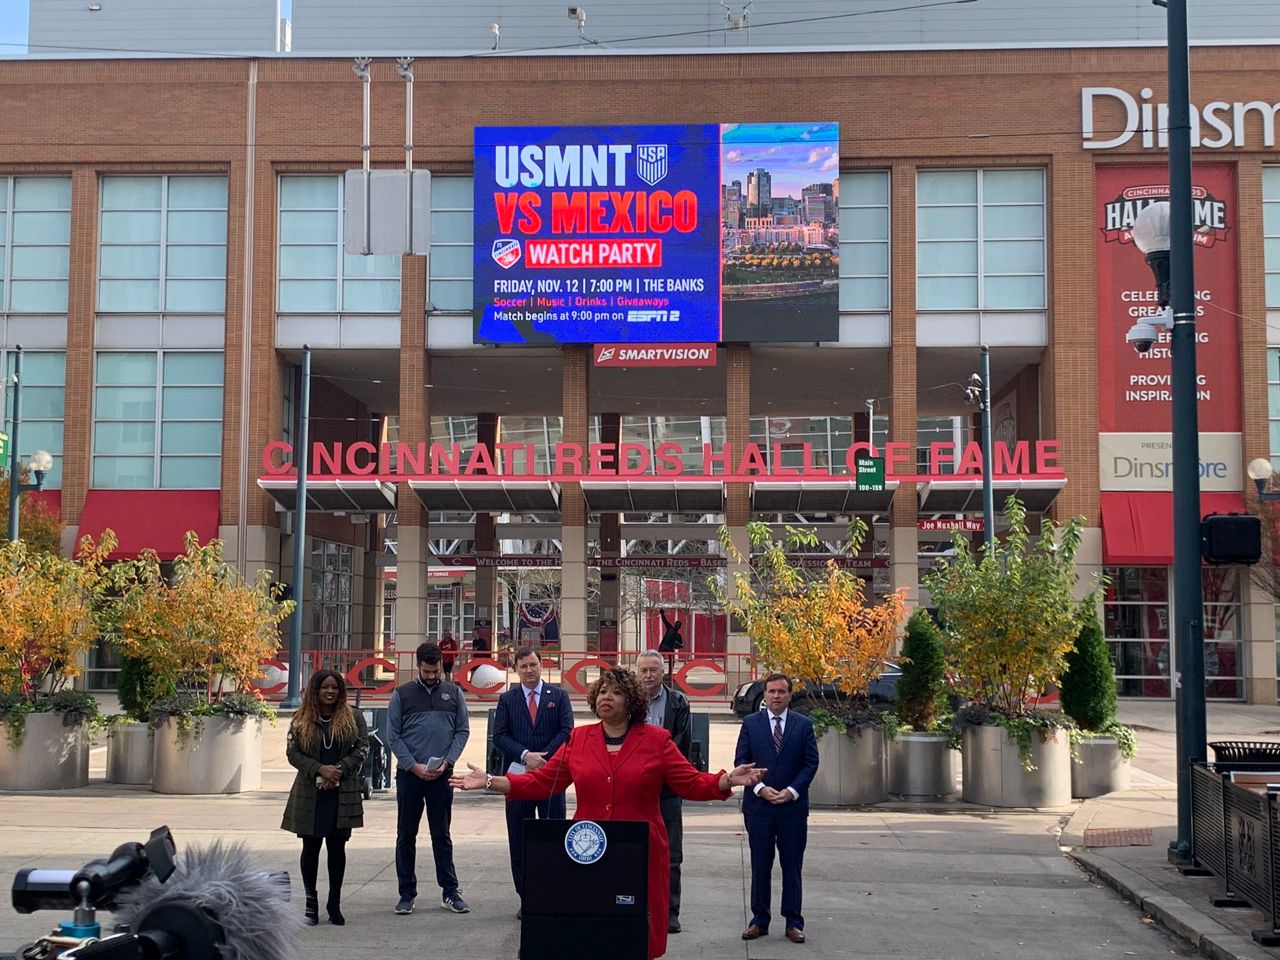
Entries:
{"x":1136,"y":623}
{"x":163,"y":245}
{"x":980,"y":240}
{"x":332,"y":586}
{"x":35,"y":243}
{"x":1136,"y":618}
{"x":44,"y":378}
{"x":315,"y":275}
{"x":1223,"y":616}
{"x":931,"y":430}
{"x":1271,"y":236}
{"x":451,"y":237}
{"x":1273,"y":403}
{"x":157,"y":420}
{"x":864,"y":241}
{"x":782,"y":442}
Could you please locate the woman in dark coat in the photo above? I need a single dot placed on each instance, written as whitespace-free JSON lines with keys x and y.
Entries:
{"x":328,"y":742}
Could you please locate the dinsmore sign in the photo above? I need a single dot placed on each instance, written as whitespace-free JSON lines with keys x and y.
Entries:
{"x":1111,"y":117}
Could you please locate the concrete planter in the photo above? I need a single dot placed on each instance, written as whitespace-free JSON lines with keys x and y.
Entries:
{"x":921,"y":766}
{"x":49,"y":756}
{"x":851,"y":769}
{"x":994,"y":776}
{"x":1100,"y":768}
{"x":130,"y":753}
{"x":222,"y":755}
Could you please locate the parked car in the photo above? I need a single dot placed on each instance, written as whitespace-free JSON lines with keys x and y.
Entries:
{"x":883,"y":693}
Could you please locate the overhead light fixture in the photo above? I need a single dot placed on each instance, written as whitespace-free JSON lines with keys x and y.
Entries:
{"x":95,"y":7}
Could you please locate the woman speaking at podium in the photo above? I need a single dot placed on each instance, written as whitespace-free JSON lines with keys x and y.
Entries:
{"x":619,"y":767}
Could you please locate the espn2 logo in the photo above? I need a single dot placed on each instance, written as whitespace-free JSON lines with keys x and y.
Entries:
{"x":653,"y":316}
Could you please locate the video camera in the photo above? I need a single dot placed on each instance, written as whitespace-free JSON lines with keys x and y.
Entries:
{"x":171,"y":908}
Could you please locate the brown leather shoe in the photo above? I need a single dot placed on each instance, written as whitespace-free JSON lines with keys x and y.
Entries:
{"x":754,"y":932}
{"x":795,"y":935}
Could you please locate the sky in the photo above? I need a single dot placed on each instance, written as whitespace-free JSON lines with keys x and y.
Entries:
{"x":795,"y":154}
{"x":13,"y":27}
{"x":13,"y":24}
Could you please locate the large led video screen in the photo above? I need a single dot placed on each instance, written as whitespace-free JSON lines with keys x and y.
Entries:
{"x":684,"y":233}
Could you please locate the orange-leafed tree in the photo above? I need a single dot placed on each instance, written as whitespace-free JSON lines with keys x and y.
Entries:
{"x":202,"y":629}
{"x":818,"y":626}
{"x":49,"y":614}
{"x":38,"y":525}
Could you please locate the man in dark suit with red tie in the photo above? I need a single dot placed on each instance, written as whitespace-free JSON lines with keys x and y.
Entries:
{"x":776,"y":811}
{"x":533,"y":720}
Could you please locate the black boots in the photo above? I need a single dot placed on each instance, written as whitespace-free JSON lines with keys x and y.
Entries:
{"x":311,"y":914}
{"x":335,"y":912}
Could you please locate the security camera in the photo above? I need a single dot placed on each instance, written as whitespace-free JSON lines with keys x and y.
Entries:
{"x":579,"y":14}
{"x":1145,"y":332}
{"x":1142,"y":335}
{"x":495,"y":29}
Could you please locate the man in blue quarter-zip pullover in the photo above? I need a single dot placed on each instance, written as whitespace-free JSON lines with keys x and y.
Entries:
{"x":428,"y":731}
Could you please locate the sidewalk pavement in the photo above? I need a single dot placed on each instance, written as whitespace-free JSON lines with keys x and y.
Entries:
{"x":1142,"y":821}
{"x":894,"y":881}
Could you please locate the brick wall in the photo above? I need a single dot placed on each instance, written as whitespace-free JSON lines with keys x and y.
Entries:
{"x":899,"y":110}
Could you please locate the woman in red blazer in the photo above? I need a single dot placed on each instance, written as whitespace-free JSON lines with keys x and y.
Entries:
{"x":619,"y":767}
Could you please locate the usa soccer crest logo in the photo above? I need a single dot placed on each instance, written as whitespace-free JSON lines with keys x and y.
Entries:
{"x":585,"y":842}
{"x":506,"y":252}
{"x":651,"y":162}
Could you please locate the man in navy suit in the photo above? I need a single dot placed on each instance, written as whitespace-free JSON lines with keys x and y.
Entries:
{"x":777,"y":810}
{"x":532,"y":722}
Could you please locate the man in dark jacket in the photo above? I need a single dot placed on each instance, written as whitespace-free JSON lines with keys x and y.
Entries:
{"x":776,"y":810}
{"x":671,"y":641}
{"x":669,"y":709}
{"x":532,"y":721}
{"x":428,"y":728}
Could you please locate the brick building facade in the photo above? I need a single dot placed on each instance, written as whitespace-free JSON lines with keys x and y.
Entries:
{"x":155,"y":153}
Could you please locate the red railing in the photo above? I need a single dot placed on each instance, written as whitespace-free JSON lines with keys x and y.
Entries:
{"x":711,"y":680}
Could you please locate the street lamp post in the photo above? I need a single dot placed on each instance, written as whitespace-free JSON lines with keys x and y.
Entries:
{"x":1260,"y":472}
{"x":979,"y":393}
{"x":293,"y":691}
{"x":41,"y":461}
{"x":1163,"y":231}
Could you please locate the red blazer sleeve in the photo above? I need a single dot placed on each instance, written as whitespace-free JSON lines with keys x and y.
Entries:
{"x":549,"y":780}
{"x":685,"y":779}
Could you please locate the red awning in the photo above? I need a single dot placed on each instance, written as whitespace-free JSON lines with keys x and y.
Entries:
{"x":1137,"y":528}
{"x":158,"y":519}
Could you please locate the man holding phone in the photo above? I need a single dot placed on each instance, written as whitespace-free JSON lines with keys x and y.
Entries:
{"x":428,"y":731}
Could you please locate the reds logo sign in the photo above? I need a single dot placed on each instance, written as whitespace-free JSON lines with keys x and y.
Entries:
{"x":506,"y":252}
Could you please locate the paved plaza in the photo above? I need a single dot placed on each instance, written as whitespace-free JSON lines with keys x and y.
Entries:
{"x":895,"y":880}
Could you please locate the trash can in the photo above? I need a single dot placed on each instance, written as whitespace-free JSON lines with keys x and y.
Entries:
{"x":492,"y":755}
{"x":375,"y":773}
{"x":700,"y":748}
{"x":1245,"y":755}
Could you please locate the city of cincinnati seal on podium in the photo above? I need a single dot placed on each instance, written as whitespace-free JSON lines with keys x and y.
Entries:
{"x":585,"y":842}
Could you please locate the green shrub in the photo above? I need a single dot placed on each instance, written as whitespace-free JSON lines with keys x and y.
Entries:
{"x":138,"y":687}
{"x":923,"y":672}
{"x":1089,"y":684}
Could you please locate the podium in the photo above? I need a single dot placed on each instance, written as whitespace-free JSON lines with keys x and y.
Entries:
{"x":574,"y":910}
